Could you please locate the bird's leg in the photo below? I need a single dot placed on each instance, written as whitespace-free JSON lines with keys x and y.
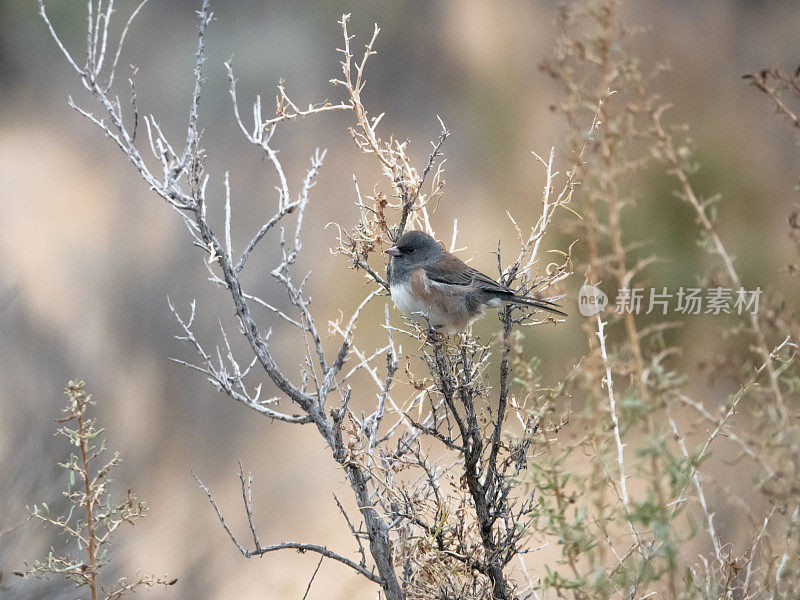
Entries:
{"x":433,"y":335}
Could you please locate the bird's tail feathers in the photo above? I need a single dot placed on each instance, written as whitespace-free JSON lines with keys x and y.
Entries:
{"x":542,"y":303}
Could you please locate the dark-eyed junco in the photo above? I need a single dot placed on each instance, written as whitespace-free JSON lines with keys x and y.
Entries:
{"x":431,"y":285}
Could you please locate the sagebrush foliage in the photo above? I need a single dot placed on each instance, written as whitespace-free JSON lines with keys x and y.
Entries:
{"x":93,"y":515}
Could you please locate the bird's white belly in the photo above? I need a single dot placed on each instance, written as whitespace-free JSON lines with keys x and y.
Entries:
{"x":415,"y":308}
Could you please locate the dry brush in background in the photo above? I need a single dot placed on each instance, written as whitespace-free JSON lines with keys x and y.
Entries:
{"x":469,"y":462}
{"x":98,"y":515}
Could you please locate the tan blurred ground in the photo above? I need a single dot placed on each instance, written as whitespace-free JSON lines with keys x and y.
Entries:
{"x":89,"y":257}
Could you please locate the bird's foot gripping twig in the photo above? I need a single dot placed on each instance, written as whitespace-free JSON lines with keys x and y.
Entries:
{"x":432,"y":335}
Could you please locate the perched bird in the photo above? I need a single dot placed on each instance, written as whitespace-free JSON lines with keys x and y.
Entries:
{"x":431,"y":285}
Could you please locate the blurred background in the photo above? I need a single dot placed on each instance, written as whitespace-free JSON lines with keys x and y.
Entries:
{"x":89,"y":257}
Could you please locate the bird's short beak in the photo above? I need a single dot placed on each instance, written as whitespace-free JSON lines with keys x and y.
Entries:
{"x":393,"y":251}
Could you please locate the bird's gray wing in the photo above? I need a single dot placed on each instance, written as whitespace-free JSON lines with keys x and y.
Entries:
{"x":451,"y":270}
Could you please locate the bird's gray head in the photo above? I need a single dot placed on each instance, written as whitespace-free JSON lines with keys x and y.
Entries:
{"x":411,"y":251}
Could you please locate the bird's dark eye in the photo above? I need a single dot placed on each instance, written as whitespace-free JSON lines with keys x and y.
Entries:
{"x":409,"y":250}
